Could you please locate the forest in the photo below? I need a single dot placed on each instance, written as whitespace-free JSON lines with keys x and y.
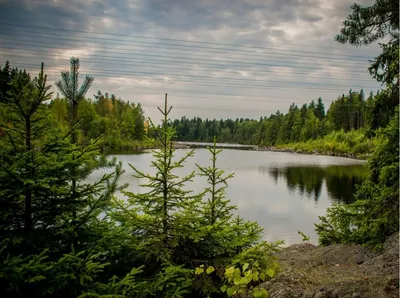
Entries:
{"x":61,"y":236}
{"x":347,"y":127}
{"x":298,"y":124}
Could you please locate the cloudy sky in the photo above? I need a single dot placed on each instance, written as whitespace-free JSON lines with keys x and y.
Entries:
{"x":214,"y":58}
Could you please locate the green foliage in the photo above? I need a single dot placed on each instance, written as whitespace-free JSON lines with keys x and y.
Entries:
{"x":352,"y":142}
{"x":348,"y":112}
{"x":309,"y":123}
{"x":366,"y":25}
{"x":374,"y":215}
{"x":158,"y":212}
{"x":169,"y":226}
{"x":245,"y":272}
{"x":43,"y":211}
{"x":217,"y":206}
{"x":33,"y":157}
{"x":120,"y":123}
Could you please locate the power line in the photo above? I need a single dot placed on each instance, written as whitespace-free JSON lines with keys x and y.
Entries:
{"x":104,"y":59}
{"x":181,"y":58}
{"x":103,"y":41}
{"x":54,"y":73}
{"x":208,"y":77}
{"x":204,"y":82}
{"x":164,"y":24}
{"x":178,"y":40}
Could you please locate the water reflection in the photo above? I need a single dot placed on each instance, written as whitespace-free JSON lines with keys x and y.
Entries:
{"x":341,"y":181}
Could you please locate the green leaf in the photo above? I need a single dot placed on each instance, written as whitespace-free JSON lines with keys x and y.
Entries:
{"x":271,"y":272}
{"x":198,"y":271}
{"x":210,"y":270}
{"x":262,"y":276}
{"x":223,"y":288}
{"x":245,"y":266}
{"x":255,"y":276}
{"x":230,"y":291}
{"x":237,"y":280}
{"x":256,"y":292}
{"x":229,"y":271}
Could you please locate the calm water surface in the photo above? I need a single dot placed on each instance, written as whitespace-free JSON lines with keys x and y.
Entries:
{"x":283,"y":192}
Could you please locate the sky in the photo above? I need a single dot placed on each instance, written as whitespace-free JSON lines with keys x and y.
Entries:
{"x":214,"y":58}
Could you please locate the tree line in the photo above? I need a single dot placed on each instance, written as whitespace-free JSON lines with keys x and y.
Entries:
{"x":120,"y":123}
{"x":349,"y":112}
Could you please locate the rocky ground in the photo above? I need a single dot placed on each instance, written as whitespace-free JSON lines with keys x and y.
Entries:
{"x":337,"y":271}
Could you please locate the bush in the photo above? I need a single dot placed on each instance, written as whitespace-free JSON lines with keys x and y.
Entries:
{"x":354,"y":142}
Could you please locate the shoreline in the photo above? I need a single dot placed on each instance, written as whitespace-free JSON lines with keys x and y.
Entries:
{"x":181,"y":145}
{"x":287,"y":150}
{"x":314,"y":152}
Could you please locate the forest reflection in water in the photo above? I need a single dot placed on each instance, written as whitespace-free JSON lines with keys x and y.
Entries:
{"x":341,"y":180}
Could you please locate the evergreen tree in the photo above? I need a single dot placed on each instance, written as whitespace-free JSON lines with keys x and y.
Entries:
{"x":216,"y":206}
{"x":158,"y":210}
{"x":5,"y":77}
{"x":29,"y":163}
{"x":320,"y":109}
{"x":366,"y":25}
{"x":37,"y":229}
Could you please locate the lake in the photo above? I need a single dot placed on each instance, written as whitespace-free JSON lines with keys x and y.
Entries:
{"x":284,"y":192}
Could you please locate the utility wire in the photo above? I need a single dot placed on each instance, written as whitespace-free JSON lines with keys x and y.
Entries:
{"x":179,"y":40}
{"x":204,"y":82}
{"x":112,"y":59}
{"x":144,"y":54}
{"x":137,"y":43}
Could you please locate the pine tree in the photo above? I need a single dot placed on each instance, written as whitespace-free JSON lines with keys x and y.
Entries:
{"x":5,"y":77}
{"x":216,"y":207}
{"x":157,"y":211}
{"x":89,"y":199}
{"x":366,"y":25}
{"x":218,"y":236}
{"x":35,"y":214}
{"x":29,"y":163}
{"x":320,"y":109}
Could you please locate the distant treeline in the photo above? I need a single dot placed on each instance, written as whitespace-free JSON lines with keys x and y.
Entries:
{"x":348,"y":112}
{"x":120,"y":123}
